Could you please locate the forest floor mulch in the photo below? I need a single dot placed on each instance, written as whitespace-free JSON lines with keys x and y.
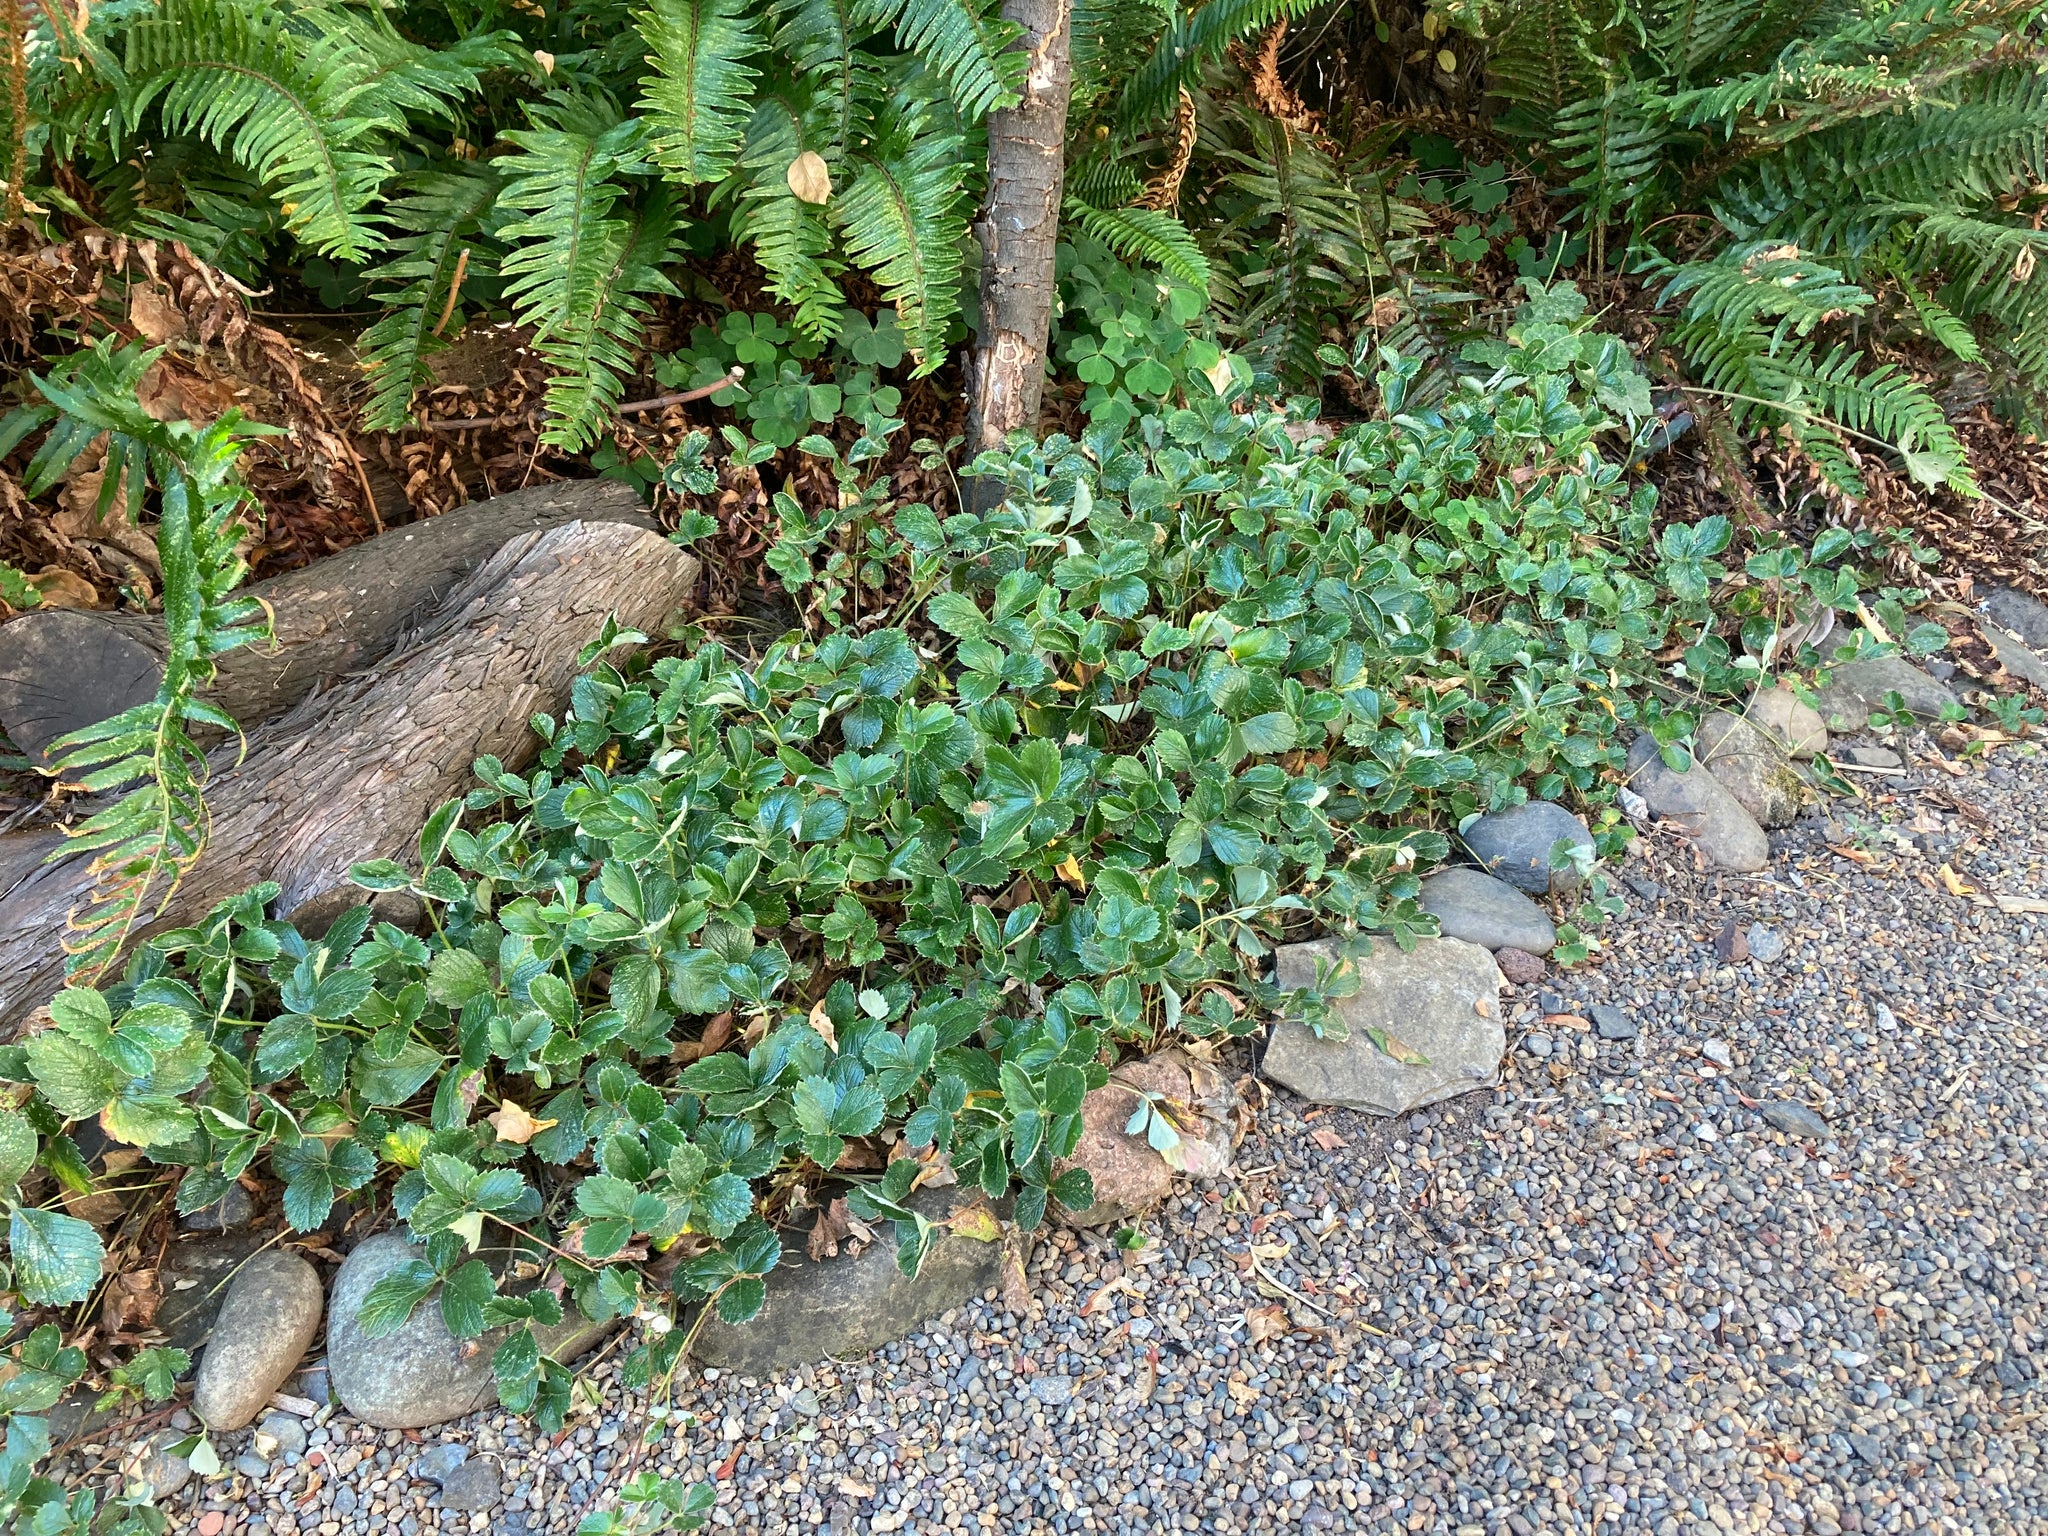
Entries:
{"x":1608,"y":1295}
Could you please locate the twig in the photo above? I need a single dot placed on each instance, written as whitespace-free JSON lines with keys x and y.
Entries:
{"x":630,"y":408}
{"x":454,"y":290}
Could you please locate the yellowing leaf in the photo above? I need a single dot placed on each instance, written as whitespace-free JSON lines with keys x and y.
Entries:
{"x":1447,"y":61}
{"x":512,"y":1123}
{"x":470,"y":1228}
{"x":1219,"y":374}
{"x":1957,"y":885}
{"x":1070,"y":871}
{"x":977,"y":1221}
{"x":810,"y":179}
{"x":545,"y":60}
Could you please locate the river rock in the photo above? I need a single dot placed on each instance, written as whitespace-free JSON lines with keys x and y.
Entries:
{"x":422,"y":1374}
{"x":1130,"y":1178}
{"x":1440,"y":1000}
{"x":270,"y":1313}
{"x":1794,"y":726}
{"x":845,"y":1306}
{"x":1472,"y":905}
{"x":1698,"y":804}
{"x":1794,"y":1120}
{"x":154,"y":1465}
{"x":2025,"y":616}
{"x":1855,"y":688}
{"x":1515,"y":845}
{"x":1753,"y":768}
{"x":232,"y":1210}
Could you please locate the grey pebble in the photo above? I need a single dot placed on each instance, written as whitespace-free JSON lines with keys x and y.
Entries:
{"x":1794,"y":1119}
{"x":1765,"y":943}
{"x":1613,"y":1023}
{"x":440,"y":1463}
{"x":475,"y":1485}
{"x":1053,"y":1391}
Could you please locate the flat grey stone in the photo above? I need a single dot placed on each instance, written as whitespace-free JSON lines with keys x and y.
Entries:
{"x":1612,"y":1023}
{"x":1766,"y":944}
{"x":232,"y":1210}
{"x":1699,"y":805}
{"x":437,"y":1465}
{"x":473,"y":1486}
{"x":2016,"y":657}
{"x":1752,"y":768}
{"x":1796,"y":727}
{"x":1794,"y":1120}
{"x":2025,"y":616}
{"x":1515,"y":845}
{"x":842,"y":1307}
{"x":1441,"y":1000}
{"x":422,"y":1374}
{"x":1472,"y":905}
{"x":1855,"y":688}
{"x":1871,"y":757}
{"x":269,"y":1315}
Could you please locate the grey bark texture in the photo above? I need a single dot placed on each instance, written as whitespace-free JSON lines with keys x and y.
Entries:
{"x":67,"y":667}
{"x":1019,"y":230}
{"x":350,"y":773}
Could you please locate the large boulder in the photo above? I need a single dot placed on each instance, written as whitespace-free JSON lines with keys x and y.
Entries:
{"x":1439,"y":1002}
{"x":1796,"y":727}
{"x":1700,"y":806}
{"x":267,"y":1318}
{"x":1130,"y":1177}
{"x":1471,"y":905}
{"x":1855,"y":688}
{"x":1752,"y":768}
{"x":842,"y":1307}
{"x":1515,"y":844}
{"x":422,"y":1374}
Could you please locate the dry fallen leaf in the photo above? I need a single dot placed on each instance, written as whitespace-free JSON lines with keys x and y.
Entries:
{"x":821,"y":1021}
{"x":512,"y":1123}
{"x":64,"y":589}
{"x":1267,"y":1322}
{"x":831,"y":1227}
{"x":1328,"y":1140}
{"x":1070,"y":871}
{"x":1957,"y":885}
{"x":810,"y":178}
{"x":710,"y":1043}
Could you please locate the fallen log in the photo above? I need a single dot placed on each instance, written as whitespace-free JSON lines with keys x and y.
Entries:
{"x":350,"y":773}
{"x":62,"y":668}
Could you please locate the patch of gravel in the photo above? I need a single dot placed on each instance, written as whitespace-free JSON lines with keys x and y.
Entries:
{"x":1607,"y":1295}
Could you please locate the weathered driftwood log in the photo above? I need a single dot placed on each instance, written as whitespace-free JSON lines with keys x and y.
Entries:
{"x":63,"y":668}
{"x":351,"y":773}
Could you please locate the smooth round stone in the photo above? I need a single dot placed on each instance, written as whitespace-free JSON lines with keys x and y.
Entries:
{"x":1794,"y":726}
{"x":1471,"y":905}
{"x":269,"y":1315}
{"x":1515,"y":845}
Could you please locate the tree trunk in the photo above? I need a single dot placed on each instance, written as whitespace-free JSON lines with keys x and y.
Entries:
{"x":351,"y":773}
{"x":1018,"y":231}
{"x":63,"y":668}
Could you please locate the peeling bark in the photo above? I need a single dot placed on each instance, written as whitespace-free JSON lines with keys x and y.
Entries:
{"x":1018,"y":230}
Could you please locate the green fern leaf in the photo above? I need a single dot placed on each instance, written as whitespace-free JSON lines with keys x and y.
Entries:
{"x":291,"y":109}
{"x":698,"y":97}
{"x":792,"y":239}
{"x":964,"y":42}
{"x":578,"y":268}
{"x":904,"y":218}
{"x":441,"y":214}
{"x":1148,"y":235}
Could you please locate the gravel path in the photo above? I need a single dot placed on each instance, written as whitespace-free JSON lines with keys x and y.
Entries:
{"x":1608,"y":1294}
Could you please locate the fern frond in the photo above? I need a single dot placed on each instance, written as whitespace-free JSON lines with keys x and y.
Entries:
{"x":578,"y":268}
{"x":792,"y":239}
{"x":699,"y":95}
{"x":594,"y":348}
{"x":400,"y":78}
{"x":1105,"y":181}
{"x":904,"y":218}
{"x":1104,"y":36}
{"x":1543,"y":56}
{"x":966,"y":43}
{"x":291,"y":109}
{"x":1192,"y":42}
{"x":1148,"y":235}
{"x":1944,"y":325}
{"x":440,"y":213}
